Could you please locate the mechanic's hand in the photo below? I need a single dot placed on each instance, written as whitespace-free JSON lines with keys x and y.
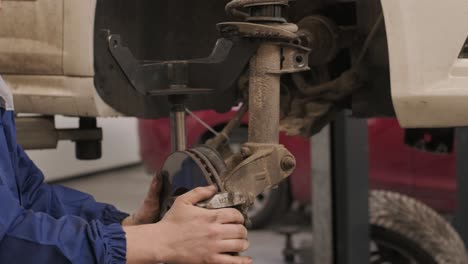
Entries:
{"x":148,"y":212}
{"x":190,"y":235}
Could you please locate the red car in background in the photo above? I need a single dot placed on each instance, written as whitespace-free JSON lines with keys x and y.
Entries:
{"x":392,"y":164}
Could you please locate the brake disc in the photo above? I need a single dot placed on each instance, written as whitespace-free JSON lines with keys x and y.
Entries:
{"x":184,"y":171}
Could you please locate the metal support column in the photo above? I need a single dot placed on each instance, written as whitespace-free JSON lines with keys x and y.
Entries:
{"x":177,"y":119}
{"x":322,"y":208}
{"x":350,"y":190}
{"x":461,"y":216}
{"x":340,"y":193}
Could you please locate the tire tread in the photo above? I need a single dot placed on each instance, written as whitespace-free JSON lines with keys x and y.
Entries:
{"x":419,"y":223}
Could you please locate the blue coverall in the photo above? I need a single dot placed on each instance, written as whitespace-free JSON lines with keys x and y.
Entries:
{"x":48,"y":224}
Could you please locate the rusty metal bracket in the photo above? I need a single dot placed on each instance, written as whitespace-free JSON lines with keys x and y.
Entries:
{"x":295,"y":58}
{"x":156,"y":78}
{"x":40,"y":132}
{"x":253,"y":30}
{"x":224,"y":200}
{"x":265,"y":168}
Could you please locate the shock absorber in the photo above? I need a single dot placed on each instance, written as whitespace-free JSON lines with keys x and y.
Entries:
{"x":177,"y":121}
{"x":265,"y":162}
{"x":265,"y":66}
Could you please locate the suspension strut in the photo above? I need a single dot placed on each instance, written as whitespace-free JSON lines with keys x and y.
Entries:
{"x":266,"y":21}
{"x":265,"y":42}
{"x":264,"y":162}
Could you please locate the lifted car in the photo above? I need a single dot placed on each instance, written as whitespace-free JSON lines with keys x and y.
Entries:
{"x":293,"y":64}
{"x":50,"y":54}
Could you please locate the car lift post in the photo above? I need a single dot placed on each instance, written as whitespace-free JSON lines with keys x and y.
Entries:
{"x":322,"y":216}
{"x":461,"y":215}
{"x":340,"y":193}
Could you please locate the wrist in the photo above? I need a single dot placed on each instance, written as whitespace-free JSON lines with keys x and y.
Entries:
{"x":140,"y":249}
{"x":163,"y":252}
{"x":127,"y":221}
{"x":147,"y":244}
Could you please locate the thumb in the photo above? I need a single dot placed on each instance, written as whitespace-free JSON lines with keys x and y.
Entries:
{"x":155,"y":188}
{"x":198,"y":194}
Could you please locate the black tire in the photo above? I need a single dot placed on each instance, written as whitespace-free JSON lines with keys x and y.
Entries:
{"x":404,"y":230}
{"x":272,"y":209}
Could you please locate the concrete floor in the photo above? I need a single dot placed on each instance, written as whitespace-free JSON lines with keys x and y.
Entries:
{"x":126,"y":187}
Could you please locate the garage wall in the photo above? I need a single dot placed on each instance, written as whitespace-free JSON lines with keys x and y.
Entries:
{"x":120,"y":148}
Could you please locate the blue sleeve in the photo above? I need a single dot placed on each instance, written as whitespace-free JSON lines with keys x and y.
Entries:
{"x":59,"y":201}
{"x":29,"y":237}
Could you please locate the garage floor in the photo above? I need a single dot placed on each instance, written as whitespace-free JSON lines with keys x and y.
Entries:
{"x":126,"y":187}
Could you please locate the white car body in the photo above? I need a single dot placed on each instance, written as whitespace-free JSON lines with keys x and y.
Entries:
{"x":46,"y":56}
{"x":429,"y":81}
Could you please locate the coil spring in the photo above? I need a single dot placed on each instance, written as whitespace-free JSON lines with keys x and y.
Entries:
{"x":232,"y":8}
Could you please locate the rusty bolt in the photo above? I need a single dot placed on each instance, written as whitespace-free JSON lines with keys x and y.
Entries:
{"x":288,"y":163}
{"x":245,"y":152}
